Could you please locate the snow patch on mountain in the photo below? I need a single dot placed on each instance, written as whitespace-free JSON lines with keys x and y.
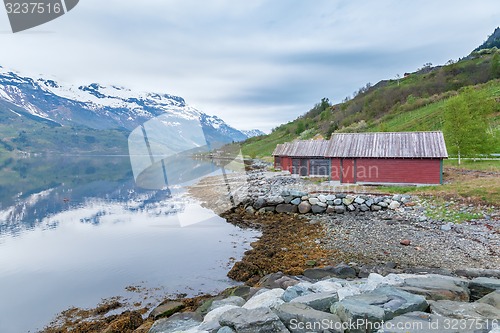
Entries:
{"x":252,"y":133}
{"x":103,"y":107}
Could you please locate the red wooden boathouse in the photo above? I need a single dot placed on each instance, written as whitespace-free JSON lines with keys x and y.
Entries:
{"x":368,"y":158}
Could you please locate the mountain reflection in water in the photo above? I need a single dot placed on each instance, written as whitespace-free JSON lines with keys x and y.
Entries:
{"x":74,"y":230}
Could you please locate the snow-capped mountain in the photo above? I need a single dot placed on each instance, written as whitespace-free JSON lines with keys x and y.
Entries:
{"x":253,"y":133}
{"x":98,"y":107}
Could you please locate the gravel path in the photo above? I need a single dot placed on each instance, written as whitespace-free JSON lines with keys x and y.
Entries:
{"x":374,"y":238}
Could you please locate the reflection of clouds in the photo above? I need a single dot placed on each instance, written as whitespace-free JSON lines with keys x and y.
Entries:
{"x":34,"y":198}
{"x":103,"y":212}
{"x":11,"y":217}
{"x":19,"y":210}
{"x":48,"y":209}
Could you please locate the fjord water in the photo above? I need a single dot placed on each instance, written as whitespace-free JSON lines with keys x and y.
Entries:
{"x":75,"y":230}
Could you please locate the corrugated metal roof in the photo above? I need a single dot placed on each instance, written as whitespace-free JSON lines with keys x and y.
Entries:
{"x":388,"y":145}
{"x":278,"y":151}
{"x":312,"y":148}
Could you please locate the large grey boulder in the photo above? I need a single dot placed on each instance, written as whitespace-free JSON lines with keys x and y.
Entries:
{"x":330,"y":285}
{"x":318,"y":301}
{"x":286,"y":208}
{"x":349,"y":199}
{"x":482,"y":286}
{"x":330,"y":197}
{"x":270,"y":299}
{"x":177,"y":322}
{"x":231,"y":300}
{"x":396,"y":197}
{"x":300,"y":318}
{"x":260,"y":320}
{"x":379,"y":305}
{"x":438,"y":287}
{"x":460,"y":310}
{"x":359,"y":200}
{"x":330,"y":209}
{"x":304,"y":207}
{"x":275,"y":200}
{"x":259,"y":203}
{"x":277,"y":280}
{"x":342,"y":271}
{"x":364,"y":208}
{"x":313,"y":201}
{"x":250,"y":210}
{"x":167,"y":309}
{"x":394,"y":205}
{"x":348,"y":291}
{"x":492,"y":299}
{"x":340,"y":209}
{"x":298,"y":290}
{"x":241,"y":291}
{"x":478,"y":272}
{"x":322,"y":198}
{"x":383,"y":204}
{"x":211,"y":320}
{"x":317,"y":209}
{"x":366,"y":316}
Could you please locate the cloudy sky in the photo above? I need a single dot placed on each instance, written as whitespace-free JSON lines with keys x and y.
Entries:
{"x":255,"y":63}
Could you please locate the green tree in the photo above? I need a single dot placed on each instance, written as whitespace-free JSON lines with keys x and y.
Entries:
{"x":300,"y":128}
{"x":331,"y":129}
{"x":325,"y":104}
{"x":466,"y":126}
{"x":495,"y":66}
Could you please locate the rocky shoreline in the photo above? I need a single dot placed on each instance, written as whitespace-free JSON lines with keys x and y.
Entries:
{"x":397,"y":254}
{"x":338,"y":261}
{"x":334,"y":299}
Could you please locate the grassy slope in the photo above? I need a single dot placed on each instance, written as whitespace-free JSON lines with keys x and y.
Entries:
{"x":263,"y":146}
{"x":429,"y":117}
{"x":425,"y":118}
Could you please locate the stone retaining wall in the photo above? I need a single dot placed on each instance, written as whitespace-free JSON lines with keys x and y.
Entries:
{"x":292,"y":201}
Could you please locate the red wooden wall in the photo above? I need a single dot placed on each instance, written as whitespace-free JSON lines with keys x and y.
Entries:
{"x":349,"y":169}
{"x":373,"y":170}
{"x":413,"y":171}
{"x":336,"y":169}
{"x":286,"y":164}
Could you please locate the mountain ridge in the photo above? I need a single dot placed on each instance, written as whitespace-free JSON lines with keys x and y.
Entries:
{"x":96,"y":107}
{"x":492,"y":41}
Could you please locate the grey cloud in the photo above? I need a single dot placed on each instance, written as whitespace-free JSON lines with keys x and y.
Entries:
{"x":250,"y":62}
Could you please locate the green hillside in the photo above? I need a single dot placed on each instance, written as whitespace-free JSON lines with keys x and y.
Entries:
{"x":413,"y":103}
{"x":40,"y":135}
{"x":430,"y":117}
